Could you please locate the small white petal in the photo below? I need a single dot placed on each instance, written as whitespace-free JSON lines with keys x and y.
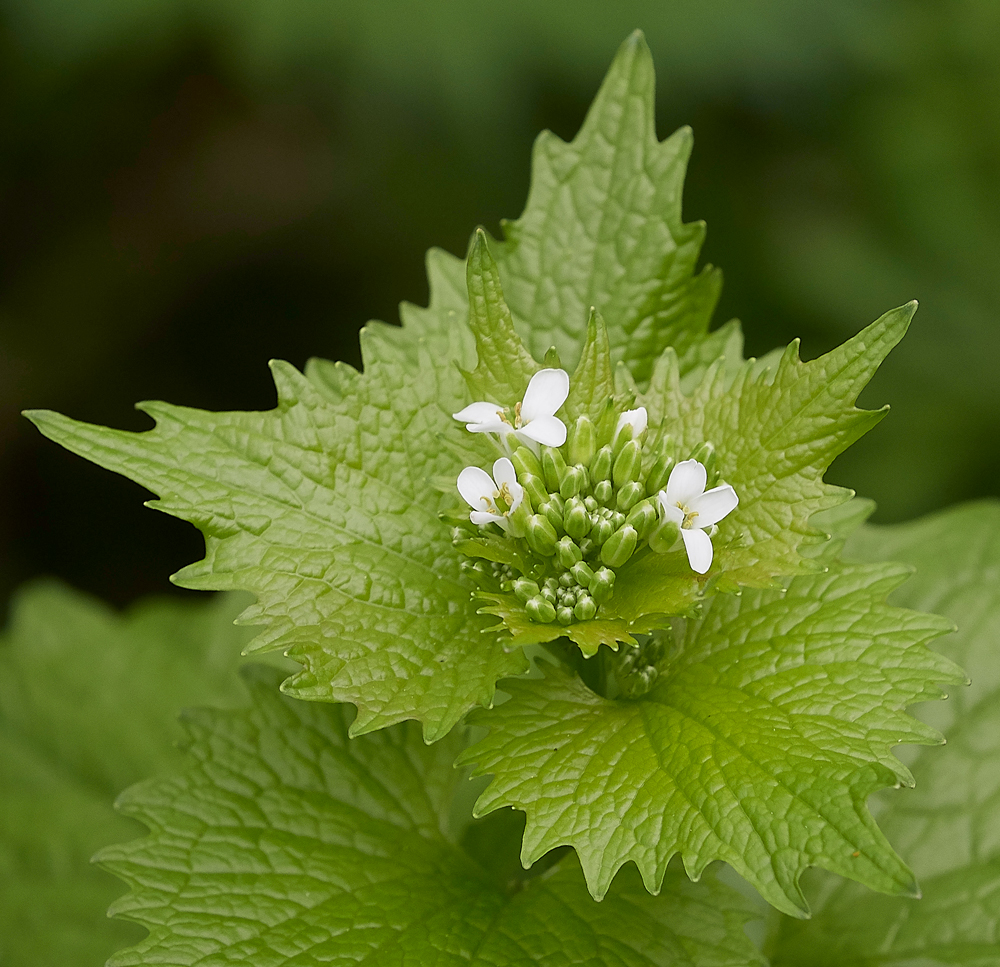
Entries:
{"x":687,"y":481}
{"x":494,"y":426}
{"x":479,"y":413}
{"x":713,"y":505}
{"x":504,"y":473}
{"x":670,"y":511}
{"x":474,"y":484}
{"x":699,"y":548}
{"x":549,"y":430}
{"x":482,"y":517}
{"x":638,"y":419}
{"x":546,"y":392}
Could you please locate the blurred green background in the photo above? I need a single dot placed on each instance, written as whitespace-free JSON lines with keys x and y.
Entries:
{"x":190,"y":188}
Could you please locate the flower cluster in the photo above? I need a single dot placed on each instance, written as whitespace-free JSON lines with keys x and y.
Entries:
{"x":579,"y":508}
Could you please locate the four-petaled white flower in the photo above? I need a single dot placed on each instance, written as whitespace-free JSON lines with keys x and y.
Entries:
{"x":492,"y":499}
{"x":686,"y":503}
{"x":535,"y":421}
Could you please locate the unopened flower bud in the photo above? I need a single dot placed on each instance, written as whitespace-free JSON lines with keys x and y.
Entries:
{"x":602,"y":584}
{"x":630,"y":494}
{"x":534,"y":488}
{"x":567,"y":552}
{"x":552,"y":510}
{"x":525,"y":589}
{"x":525,"y":462}
{"x":628,"y":463}
{"x":564,"y":615}
{"x":590,"y":504}
{"x":541,"y":535}
{"x":565,"y":580}
{"x":659,"y":472}
{"x":601,"y":531}
{"x":705,"y":455}
{"x":583,"y":573}
{"x":540,"y":609}
{"x":604,"y":492}
{"x":550,"y":595}
{"x":553,"y":467}
{"x":582,"y":441}
{"x":586,"y":546}
{"x":576,"y":520}
{"x":664,"y":537}
{"x":586,"y":608}
{"x":600,"y":468}
{"x":643,"y":517}
{"x":617,"y":519}
{"x":574,"y":481}
{"x":631,"y":426}
{"x":619,"y":547}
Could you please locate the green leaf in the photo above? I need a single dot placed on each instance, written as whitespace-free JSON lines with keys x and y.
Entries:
{"x":505,"y":366}
{"x":602,"y":227}
{"x":88,"y":702}
{"x":286,"y":841}
{"x":325,"y":510}
{"x":770,"y":723}
{"x":949,"y":825}
{"x":775,"y":431}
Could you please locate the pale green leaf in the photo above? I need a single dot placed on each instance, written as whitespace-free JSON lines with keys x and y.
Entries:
{"x":324,"y":509}
{"x":949,"y":825}
{"x":602,"y":227}
{"x":287,"y":841}
{"x":775,"y":430}
{"x":88,"y":702}
{"x":770,"y":723}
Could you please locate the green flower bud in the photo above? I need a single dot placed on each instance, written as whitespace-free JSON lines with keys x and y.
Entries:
{"x":618,"y":548}
{"x":705,"y":455}
{"x":600,"y":468}
{"x":574,"y":481}
{"x":604,"y":492}
{"x":583,"y":573}
{"x":541,"y":535}
{"x":576,"y":520}
{"x":630,"y":494}
{"x":643,"y":517}
{"x":582,"y":440}
{"x":590,"y":504}
{"x":552,"y":510}
{"x":565,"y":580}
{"x":553,"y":467}
{"x":586,"y":608}
{"x":564,"y":615}
{"x":659,"y":473}
{"x":541,"y":610}
{"x":567,"y":552}
{"x":525,"y":589}
{"x":664,"y":537}
{"x":525,"y":462}
{"x":534,"y":488}
{"x":517,"y":522}
{"x":628,"y":463}
{"x":617,"y":519}
{"x":601,"y":531}
{"x":586,"y":546}
{"x":631,"y":426}
{"x":602,"y":584}
{"x":550,"y":595}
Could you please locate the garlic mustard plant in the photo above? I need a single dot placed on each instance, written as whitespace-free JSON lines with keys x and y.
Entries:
{"x":651,"y":569}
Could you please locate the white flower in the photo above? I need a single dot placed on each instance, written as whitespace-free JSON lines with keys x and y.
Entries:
{"x":535,"y":421}
{"x":492,"y":499}
{"x":686,"y":503}
{"x":638,"y":419}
